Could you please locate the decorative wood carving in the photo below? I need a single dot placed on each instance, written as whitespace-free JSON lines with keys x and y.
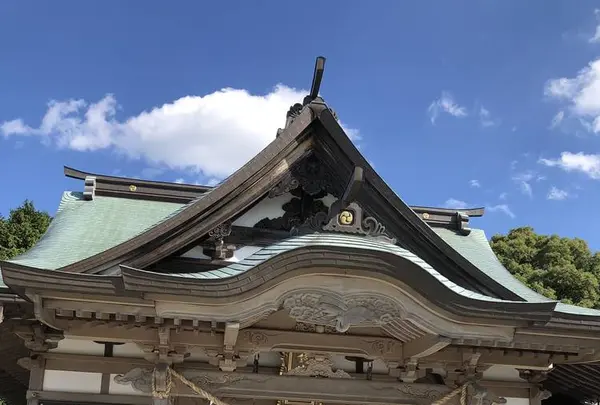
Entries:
{"x":295,"y":387}
{"x":311,"y":175}
{"x":341,"y":312}
{"x":307,"y":327}
{"x":303,"y":210}
{"x":480,"y":395}
{"x":216,"y":247}
{"x":39,"y":338}
{"x":140,"y":379}
{"x":316,"y":366}
{"x":351,"y":220}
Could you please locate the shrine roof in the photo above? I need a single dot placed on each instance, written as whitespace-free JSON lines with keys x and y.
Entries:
{"x":81,"y":228}
{"x":99,"y":224}
{"x":333,"y":240}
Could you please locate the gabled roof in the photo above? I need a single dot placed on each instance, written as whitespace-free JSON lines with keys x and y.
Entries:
{"x":122,"y":227}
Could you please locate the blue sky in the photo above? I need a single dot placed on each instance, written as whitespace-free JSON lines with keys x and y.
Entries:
{"x":479,"y":103}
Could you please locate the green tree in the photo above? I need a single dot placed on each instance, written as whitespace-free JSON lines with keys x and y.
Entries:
{"x":21,"y":230}
{"x":559,"y":268}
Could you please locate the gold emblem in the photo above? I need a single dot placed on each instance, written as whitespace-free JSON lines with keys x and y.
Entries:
{"x":132,"y":188}
{"x":425,"y":215}
{"x":346,"y":218}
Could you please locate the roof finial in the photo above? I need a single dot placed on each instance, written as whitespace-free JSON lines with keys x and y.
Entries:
{"x":297,"y":108}
{"x":316,"y":82}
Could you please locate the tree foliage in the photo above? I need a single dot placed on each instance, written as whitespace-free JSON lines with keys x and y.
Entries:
{"x":21,"y":230}
{"x":560,"y":268}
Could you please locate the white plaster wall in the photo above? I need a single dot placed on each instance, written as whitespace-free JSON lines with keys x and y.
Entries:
{"x":502,"y":373}
{"x":271,"y":208}
{"x":517,"y":401}
{"x":267,"y":208}
{"x":79,"y":346}
{"x":121,"y":389}
{"x":72,"y":381}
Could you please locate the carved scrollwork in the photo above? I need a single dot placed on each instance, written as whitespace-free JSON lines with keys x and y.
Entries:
{"x":317,"y":366}
{"x":342,"y":312}
{"x":426,"y":392}
{"x":310,"y":175}
{"x":140,"y":379}
{"x":383,"y":347}
{"x":307,"y":327}
{"x":303,"y":210}
{"x":206,"y":381}
{"x":352,"y":220}
{"x":256,"y":339}
{"x":220,"y":232}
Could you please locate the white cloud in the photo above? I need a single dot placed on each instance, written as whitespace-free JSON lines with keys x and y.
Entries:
{"x":447,"y":105}
{"x":503,"y":196}
{"x":581,"y":95}
{"x":151,"y":172}
{"x":557,"y":194}
{"x":523,"y":180}
{"x":596,"y":37}
{"x":179,"y":181}
{"x":485,"y":117}
{"x":588,"y":164}
{"x":455,"y":204}
{"x":475,"y":183}
{"x":501,"y":208}
{"x":213,"y":134}
{"x":557,"y":119}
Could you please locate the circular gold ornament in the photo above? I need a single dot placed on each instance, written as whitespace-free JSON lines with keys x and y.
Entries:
{"x":346,"y":218}
{"x":132,"y":188}
{"x":425,"y":215}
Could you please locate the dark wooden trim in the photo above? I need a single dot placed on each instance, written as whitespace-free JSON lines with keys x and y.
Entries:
{"x":67,"y":398}
{"x":175,"y":264}
{"x":403,"y":223}
{"x":113,"y":186}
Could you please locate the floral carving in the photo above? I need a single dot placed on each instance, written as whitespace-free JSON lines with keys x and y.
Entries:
{"x":341,"y":313}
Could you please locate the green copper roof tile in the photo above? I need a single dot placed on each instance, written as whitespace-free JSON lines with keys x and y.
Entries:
{"x":476,"y":249}
{"x":329,"y":239}
{"x":83,"y":228}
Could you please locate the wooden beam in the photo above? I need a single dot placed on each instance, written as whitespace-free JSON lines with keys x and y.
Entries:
{"x":425,"y":346}
{"x":249,"y":340}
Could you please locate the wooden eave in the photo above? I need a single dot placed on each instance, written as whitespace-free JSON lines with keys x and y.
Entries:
{"x":580,"y":381}
{"x":376,"y":265}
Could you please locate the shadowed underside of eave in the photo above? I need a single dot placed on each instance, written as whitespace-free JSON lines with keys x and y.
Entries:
{"x":580,"y":381}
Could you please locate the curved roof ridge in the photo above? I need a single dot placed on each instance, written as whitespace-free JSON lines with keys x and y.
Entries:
{"x":332,"y":240}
